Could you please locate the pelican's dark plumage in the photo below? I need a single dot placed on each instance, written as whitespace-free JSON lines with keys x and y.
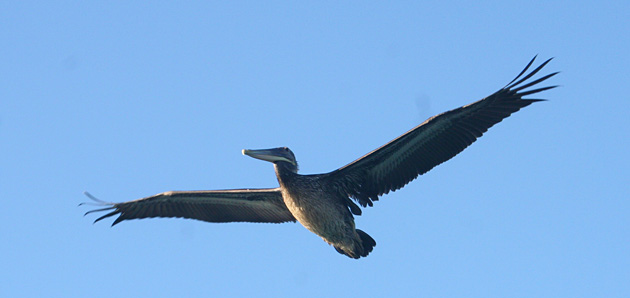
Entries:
{"x":323,"y":203}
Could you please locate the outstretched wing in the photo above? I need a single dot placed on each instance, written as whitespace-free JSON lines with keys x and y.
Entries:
{"x":433,"y":142}
{"x":237,"y":205}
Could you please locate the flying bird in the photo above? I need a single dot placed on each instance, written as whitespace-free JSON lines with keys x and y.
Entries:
{"x":325,"y":203}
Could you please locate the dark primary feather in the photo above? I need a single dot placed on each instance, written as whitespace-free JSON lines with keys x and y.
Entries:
{"x":238,"y":205}
{"x":433,"y":142}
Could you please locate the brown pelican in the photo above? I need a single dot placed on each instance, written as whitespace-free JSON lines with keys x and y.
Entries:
{"x":323,"y":203}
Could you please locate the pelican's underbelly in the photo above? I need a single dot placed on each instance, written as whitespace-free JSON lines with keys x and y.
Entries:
{"x":322,"y":216}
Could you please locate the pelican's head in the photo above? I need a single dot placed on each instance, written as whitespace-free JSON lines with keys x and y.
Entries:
{"x":281,"y":156}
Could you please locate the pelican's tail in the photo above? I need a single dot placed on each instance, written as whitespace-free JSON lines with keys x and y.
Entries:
{"x":361,"y":248}
{"x":367,"y":241}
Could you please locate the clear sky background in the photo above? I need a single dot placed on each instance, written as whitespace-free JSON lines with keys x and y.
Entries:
{"x":128,"y":99}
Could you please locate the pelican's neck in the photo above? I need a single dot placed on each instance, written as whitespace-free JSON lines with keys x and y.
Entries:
{"x":285,"y":171}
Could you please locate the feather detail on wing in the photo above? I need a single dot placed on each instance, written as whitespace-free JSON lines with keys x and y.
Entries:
{"x":433,"y":142}
{"x":237,"y":205}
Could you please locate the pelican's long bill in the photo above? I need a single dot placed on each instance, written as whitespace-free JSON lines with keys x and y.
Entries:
{"x":272,"y":155}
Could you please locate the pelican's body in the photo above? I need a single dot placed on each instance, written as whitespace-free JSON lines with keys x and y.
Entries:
{"x":320,"y":208}
{"x":310,"y":205}
{"x":323,"y":203}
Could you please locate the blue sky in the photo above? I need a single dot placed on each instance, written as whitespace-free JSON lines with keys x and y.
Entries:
{"x":127,"y":100}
